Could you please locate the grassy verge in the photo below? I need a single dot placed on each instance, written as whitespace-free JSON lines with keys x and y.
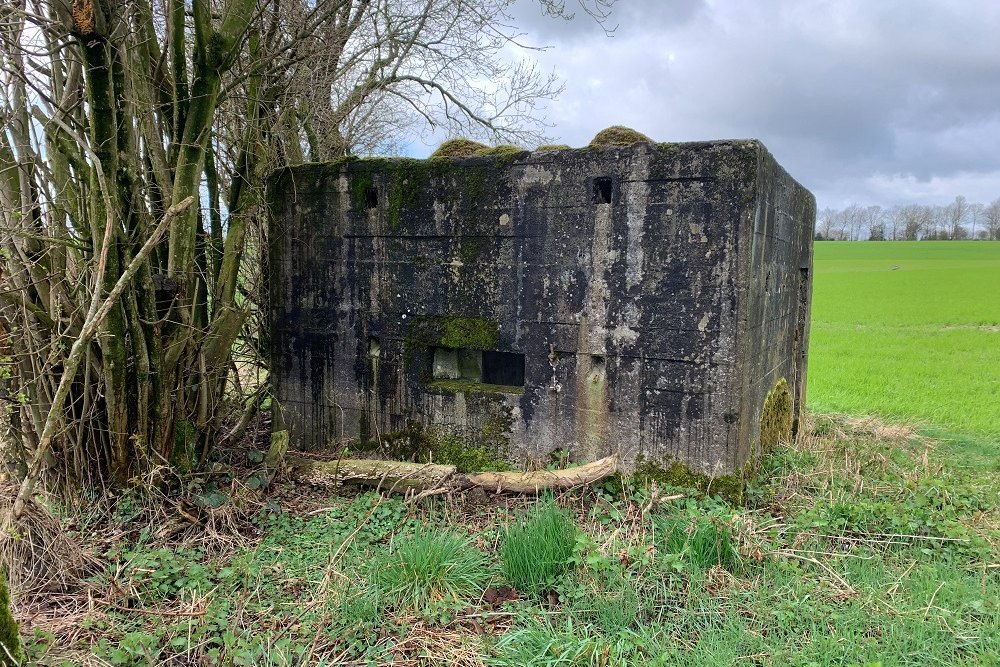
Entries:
{"x":865,"y":546}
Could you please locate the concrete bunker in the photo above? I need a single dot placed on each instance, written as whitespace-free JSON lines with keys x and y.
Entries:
{"x":639,"y":299}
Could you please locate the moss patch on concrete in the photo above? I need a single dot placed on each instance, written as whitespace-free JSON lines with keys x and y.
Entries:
{"x":483,"y":451}
{"x":473,"y":333}
{"x":454,"y":331}
{"x":618,"y":135}
{"x":674,"y":473}
{"x":501,"y":149}
{"x":459,"y":147}
{"x":465,"y":386}
{"x":10,"y":641}
{"x":776,"y":417}
{"x":360,"y":183}
{"x":468,"y":148}
{"x":554,"y":147}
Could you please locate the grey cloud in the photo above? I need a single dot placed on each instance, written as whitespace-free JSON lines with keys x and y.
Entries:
{"x":844,"y":93}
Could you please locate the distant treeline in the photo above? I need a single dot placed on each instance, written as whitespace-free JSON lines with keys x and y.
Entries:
{"x":959,"y":220}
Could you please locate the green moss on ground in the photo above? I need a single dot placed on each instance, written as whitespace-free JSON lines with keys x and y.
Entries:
{"x":776,"y":417}
{"x":10,"y":641}
{"x":554,"y":147}
{"x":618,"y":135}
{"x":675,"y":473}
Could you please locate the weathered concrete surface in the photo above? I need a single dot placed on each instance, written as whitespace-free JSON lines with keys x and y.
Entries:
{"x":652,"y":325}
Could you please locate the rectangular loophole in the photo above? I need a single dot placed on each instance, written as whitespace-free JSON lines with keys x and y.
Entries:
{"x":371,"y":197}
{"x":506,"y":368}
{"x":602,"y":190}
{"x":503,"y":369}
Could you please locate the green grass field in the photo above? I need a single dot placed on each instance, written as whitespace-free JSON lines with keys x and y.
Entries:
{"x":909,"y":331}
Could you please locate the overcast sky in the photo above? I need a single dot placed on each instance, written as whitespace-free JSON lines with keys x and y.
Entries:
{"x":867,"y":101}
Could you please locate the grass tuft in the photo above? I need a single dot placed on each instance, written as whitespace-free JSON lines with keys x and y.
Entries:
{"x":705,"y":543}
{"x":433,"y":568}
{"x":536,"y":552}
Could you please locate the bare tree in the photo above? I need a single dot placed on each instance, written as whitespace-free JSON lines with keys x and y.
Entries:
{"x":953,"y":218}
{"x":976,"y":212}
{"x":991,"y":218}
{"x":824,"y":223}
{"x":871,"y":223}
{"x":117,"y":116}
{"x":896,"y":221}
{"x":917,"y":220}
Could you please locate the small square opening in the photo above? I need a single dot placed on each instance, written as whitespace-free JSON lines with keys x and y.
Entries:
{"x":602,"y":190}
{"x":371,"y":197}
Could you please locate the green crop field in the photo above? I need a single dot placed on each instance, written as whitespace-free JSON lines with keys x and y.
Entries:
{"x":908,"y":331}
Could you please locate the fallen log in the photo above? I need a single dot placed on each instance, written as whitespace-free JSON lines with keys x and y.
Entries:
{"x":388,"y":475}
{"x":544,"y":480}
{"x":428,"y":478}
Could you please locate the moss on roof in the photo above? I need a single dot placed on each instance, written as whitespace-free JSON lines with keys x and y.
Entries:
{"x":618,"y":135}
{"x":502,"y":149}
{"x":468,"y":148}
{"x":459,"y":148}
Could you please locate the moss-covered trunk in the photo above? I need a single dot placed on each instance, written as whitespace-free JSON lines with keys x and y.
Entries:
{"x":10,"y":642}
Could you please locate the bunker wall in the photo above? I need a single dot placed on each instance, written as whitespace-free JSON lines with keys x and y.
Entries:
{"x":622,"y":278}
